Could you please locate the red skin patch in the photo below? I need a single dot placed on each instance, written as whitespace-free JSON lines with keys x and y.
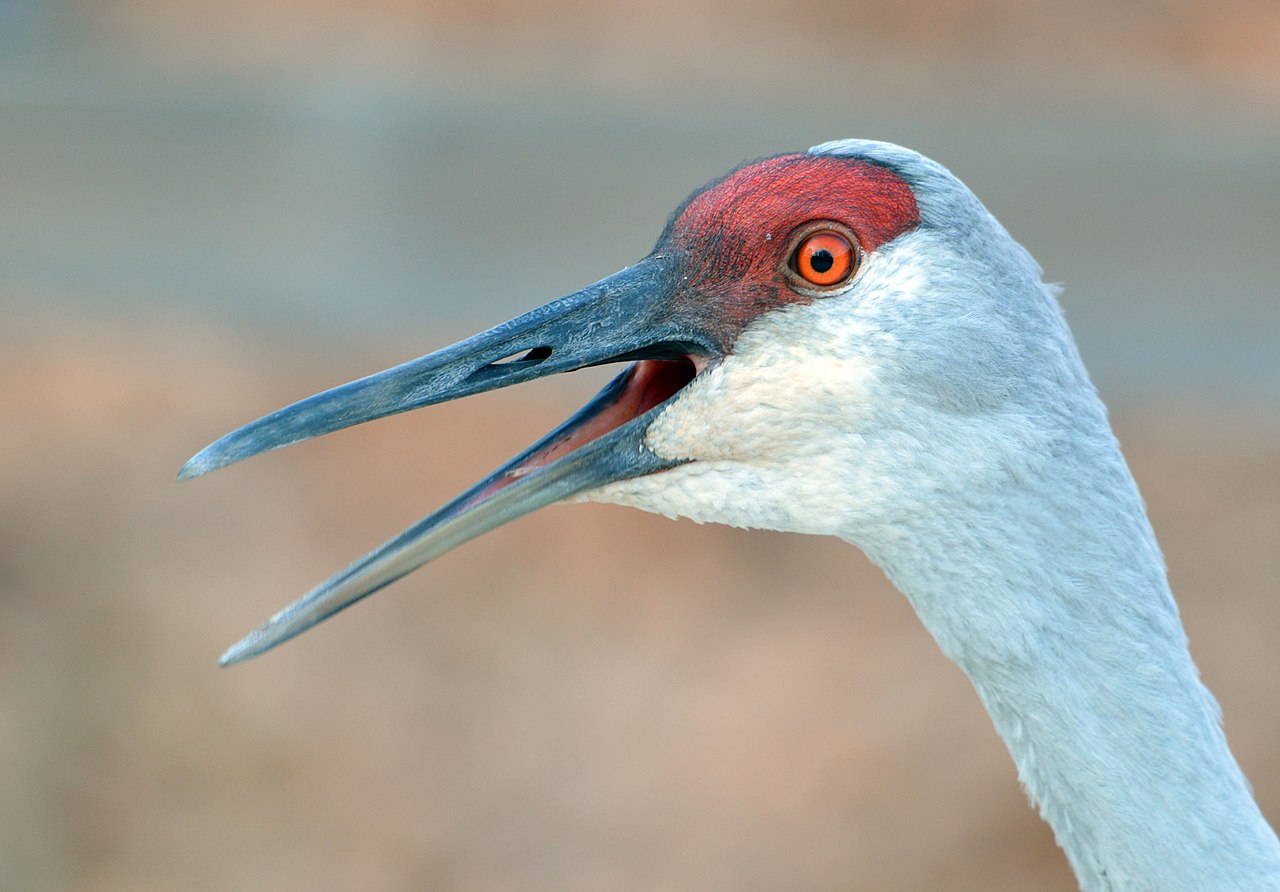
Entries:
{"x":732,"y":236}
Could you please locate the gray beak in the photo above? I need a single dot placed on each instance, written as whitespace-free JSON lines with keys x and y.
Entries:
{"x":627,"y":317}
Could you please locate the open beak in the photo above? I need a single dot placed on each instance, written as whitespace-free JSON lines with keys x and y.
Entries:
{"x":629,"y":316}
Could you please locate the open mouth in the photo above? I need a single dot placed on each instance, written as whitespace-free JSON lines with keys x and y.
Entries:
{"x":602,"y":443}
{"x":626,"y":317}
{"x":645,"y":385}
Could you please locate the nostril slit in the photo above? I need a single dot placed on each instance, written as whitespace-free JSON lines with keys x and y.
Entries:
{"x":537,"y":354}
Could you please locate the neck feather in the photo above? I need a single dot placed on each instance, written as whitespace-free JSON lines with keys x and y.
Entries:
{"x":1045,"y":584}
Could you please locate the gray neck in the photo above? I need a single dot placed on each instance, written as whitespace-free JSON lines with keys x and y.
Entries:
{"x":1045,"y":584}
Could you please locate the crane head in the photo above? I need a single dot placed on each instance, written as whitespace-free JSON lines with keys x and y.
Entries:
{"x":759,"y":327}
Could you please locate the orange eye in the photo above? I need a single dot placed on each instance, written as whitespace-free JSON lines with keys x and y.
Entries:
{"x":825,"y":258}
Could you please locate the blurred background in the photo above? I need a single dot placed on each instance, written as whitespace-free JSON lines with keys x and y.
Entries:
{"x":208,"y":210}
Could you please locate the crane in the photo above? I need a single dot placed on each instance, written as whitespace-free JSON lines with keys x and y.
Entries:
{"x":845,"y":342}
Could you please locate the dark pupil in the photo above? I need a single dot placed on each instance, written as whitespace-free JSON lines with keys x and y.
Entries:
{"x":821,"y":260}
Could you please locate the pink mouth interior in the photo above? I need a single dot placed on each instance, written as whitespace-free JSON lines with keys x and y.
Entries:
{"x":649,"y":383}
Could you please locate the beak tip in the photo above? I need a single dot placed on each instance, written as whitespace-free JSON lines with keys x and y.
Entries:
{"x":202,"y":463}
{"x":239,"y":652}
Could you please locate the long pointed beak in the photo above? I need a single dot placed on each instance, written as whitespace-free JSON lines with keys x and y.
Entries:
{"x":624,"y":317}
{"x":617,"y":319}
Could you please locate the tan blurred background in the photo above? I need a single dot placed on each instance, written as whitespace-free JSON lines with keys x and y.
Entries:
{"x":209,"y":210}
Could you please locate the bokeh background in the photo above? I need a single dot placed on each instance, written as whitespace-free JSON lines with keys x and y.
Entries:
{"x":208,"y":210}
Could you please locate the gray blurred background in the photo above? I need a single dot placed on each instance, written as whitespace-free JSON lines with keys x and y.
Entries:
{"x":209,"y":210}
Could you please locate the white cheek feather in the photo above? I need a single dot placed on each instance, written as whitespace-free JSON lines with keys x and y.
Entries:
{"x":760,"y":410}
{"x":754,"y":433}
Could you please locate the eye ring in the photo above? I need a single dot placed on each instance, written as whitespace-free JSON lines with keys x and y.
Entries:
{"x":824,"y":255}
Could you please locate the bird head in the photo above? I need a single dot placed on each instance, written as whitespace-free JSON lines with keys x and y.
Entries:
{"x":802,"y":324}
